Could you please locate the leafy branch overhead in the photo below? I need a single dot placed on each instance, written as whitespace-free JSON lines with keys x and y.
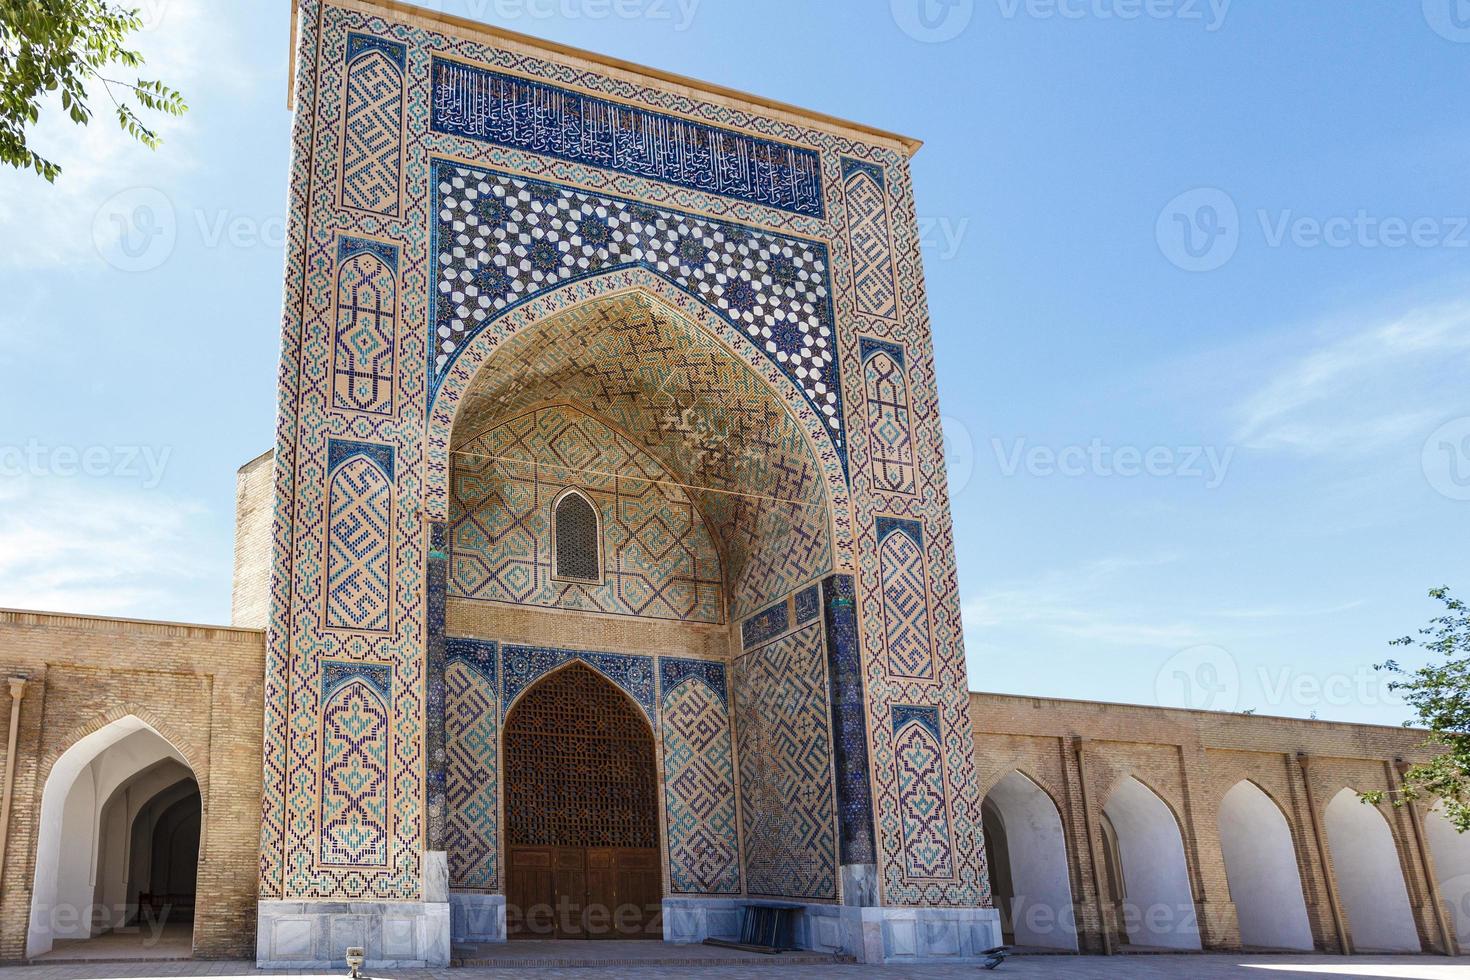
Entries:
{"x":69,"y":49}
{"x":1439,"y":693}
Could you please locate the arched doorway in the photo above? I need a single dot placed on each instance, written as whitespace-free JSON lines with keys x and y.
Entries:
{"x":1026,"y":853}
{"x":1451,"y":851}
{"x":1369,"y":877}
{"x":581,"y":813}
{"x":1261,"y":868}
{"x":117,"y":852}
{"x":1150,"y":881}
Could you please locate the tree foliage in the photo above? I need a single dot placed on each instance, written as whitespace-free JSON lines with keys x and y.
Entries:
{"x":1439,"y":693}
{"x":67,"y":47}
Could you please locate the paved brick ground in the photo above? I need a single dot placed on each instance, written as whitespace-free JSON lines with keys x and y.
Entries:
{"x":1208,"y":967}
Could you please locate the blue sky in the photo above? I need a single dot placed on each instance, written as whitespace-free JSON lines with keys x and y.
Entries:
{"x":1198,"y":273}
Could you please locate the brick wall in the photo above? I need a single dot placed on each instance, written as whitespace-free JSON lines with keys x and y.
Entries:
{"x":199,"y":687}
{"x":1079,"y":751}
{"x":254,"y":510}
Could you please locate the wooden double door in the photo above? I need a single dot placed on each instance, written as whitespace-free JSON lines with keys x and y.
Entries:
{"x":597,"y":893}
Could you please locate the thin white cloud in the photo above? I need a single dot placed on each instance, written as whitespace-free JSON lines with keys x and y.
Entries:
{"x":91,"y":547}
{"x":1076,"y":603}
{"x":1372,"y":387}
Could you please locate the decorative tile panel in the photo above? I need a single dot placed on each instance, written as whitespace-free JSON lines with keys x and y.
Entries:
{"x":359,"y":538}
{"x":372,"y":126}
{"x":354,"y":784}
{"x":766,"y":625}
{"x":510,"y":111}
{"x":870,"y":235}
{"x":472,"y":726}
{"x":660,"y":561}
{"x":699,"y":779}
{"x":923,"y":794}
{"x":366,"y":348}
{"x":890,"y":416}
{"x":785,"y":748}
{"x":523,"y":666}
{"x":849,"y":726}
{"x":501,"y":239}
{"x":905,"y":581}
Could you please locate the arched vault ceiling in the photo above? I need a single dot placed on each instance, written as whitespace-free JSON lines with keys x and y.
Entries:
{"x":695,"y":407}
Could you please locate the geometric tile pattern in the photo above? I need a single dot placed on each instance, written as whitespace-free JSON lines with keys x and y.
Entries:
{"x":874,"y":284}
{"x":523,"y":666}
{"x":661,"y":562}
{"x":501,"y":239}
{"x":765,"y":626}
{"x":359,"y":536}
{"x":705,"y":416}
{"x":849,"y":722}
{"x":367,"y":328}
{"x":808,"y":605}
{"x":486,"y":105}
{"x":354,"y":785}
{"x":699,"y":787}
{"x":472,"y":775}
{"x":784,"y":735}
{"x":890,"y":434}
{"x":928,"y":847}
{"x":906,"y":602}
{"x":298,"y":647}
{"x":372,"y":127}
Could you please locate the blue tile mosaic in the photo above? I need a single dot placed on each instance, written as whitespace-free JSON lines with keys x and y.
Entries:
{"x":340,"y":451}
{"x":764,"y":626}
{"x":912,"y":529}
{"x":808,"y":605}
{"x":502,"y":239}
{"x":523,"y":666}
{"x":903,"y":714}
{"x":849,"y":722}
{"x":335,"y":673}
{"x":506,"y":110}
{"x":675,"y":670}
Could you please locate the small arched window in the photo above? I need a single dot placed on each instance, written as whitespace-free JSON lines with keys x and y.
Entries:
{"x":577,"y":539}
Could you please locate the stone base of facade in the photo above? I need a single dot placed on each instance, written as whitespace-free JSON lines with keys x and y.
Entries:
{"x":476,"y":918}
{"x":869,"y":935}
{"x":316,"y":935}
